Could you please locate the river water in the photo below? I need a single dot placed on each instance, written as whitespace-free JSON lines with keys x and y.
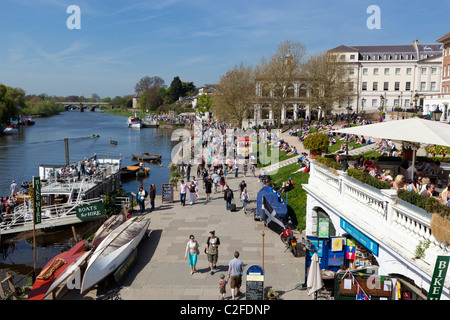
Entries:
{"x":43,"y":143}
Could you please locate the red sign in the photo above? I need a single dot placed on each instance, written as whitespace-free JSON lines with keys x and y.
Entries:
{"x":351,"y":252}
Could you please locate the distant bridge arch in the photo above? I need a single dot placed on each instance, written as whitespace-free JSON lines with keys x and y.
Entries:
{"x":84,"y":105}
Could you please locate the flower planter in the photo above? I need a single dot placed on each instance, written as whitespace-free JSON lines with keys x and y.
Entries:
{"x":440,"y":227}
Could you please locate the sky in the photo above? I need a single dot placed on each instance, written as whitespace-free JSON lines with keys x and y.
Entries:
{"x":119,"y":42}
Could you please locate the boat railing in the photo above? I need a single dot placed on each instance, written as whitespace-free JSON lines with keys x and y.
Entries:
{"x":24,"y":213}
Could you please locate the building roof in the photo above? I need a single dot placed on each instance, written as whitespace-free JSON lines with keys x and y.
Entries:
{"x":444,"y":39}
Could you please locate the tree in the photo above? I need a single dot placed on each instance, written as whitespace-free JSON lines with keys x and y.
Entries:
{"x":276,"y":76}
{"x":188,"y":88}
{"x":329,"y":82}
{"x":233,"y":98}
{"x":176,"y":89}
{"x":150,"y":99}
{"x":148,"y":82}
{"x":204,"y":101}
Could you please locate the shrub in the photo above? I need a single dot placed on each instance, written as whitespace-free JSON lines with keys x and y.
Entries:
{"x":366,"y":178}
{"x":316,"y":141}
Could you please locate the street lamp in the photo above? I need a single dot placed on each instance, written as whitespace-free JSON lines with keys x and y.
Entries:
{"x":382,"y":99}
{"x":416,"y":98}
{"x":437,"y":114}
{"x":363,"y":102}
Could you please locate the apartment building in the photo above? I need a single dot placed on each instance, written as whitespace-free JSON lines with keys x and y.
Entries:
{"x":392,"y":75}
{"x":440,"y":101}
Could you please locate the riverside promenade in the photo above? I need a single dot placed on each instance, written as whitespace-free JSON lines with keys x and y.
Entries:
{"x":162,"y":273}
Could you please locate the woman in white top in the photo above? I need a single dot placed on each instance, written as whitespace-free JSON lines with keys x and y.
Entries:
{"x":183,"y":187}
{"x":192,"y":252}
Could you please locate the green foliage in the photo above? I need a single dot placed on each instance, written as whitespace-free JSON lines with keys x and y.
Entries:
{"x":204,"y":101}
{"x":176,"y":89}
{"x":46,"y":107}
{"x":296,"y":198}
{"x":366,"y":178}
{"x":413,"y":197}
{"x":110,"y":202}
{"x":10,"y":100}
{"x":420,"y":249}
{"x":329,"y":162}
{"x":316,"y":141}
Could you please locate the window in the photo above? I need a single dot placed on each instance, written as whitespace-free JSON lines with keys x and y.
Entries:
{"x":374,"y":102}
{"x":365,"y":57}
{"x":395,"y":102}
{"x":386,"y":86}
{"x":398,"y":57}
{"x":423,"y":85}
{"x":352,"y":57}
{"x":375,"y":86}
{"x":342,"y":57}
{"x":397,"y":86}
{"x":365,"y":71}
{"x":434,"y":70}
{"x":387,"y":57}
{"x":375,"y":71}
{"x":407,"y":102}
{"x":409,"y":71}
{"x":408,"y":86}
{"x":376,"y":57}
{"x":397,"y":71}
{"x":364,"y":86}
{"x":386,"y":71}
{"x":433,"y":86}
{"x":423,"y":70}
{"x":409,"y":57}
{"x":352,"y":71}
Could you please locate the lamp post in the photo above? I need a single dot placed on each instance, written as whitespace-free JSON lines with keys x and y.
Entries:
{"x":363,"y":102}
{"x":382,"y":99}
{"x":437,"y":114}
{"x":416,"y":98}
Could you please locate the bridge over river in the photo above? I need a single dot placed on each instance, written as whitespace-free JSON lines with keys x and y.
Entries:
{"x":84,"y":105}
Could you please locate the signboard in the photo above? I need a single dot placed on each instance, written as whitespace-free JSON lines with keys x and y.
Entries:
{"x":254,"y":283}
{"x":122,"y":271}
{"x":37,"y":200}
{"x":437,"y":282}
{"x":324,"y":228}
{"x":167,"y":192}
{"x":90,"y":211}
{"x":360,"y":237}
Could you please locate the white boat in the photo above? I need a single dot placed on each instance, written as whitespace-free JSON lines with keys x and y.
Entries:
{"x":10,"y":130}
{"x":134,"y":122}
{"x":114,"y":250}
{"x":107,"y":227}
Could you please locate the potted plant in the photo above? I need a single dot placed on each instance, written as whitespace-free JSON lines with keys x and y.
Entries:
{"x":316,"y":143}
{"x":272,"y":294}
{"x":419,"y":253}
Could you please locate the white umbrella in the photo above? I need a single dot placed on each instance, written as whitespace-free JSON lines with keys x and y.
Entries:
{"x":412,"y":130}
{"x":314,"y":281}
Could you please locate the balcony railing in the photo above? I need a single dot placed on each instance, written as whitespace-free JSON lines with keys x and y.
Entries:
{"x":395,"y":223}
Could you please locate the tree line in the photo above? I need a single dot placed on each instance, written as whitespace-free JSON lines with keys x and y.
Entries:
{"x":326,"y":84}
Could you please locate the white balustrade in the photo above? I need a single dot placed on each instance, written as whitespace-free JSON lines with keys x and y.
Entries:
{"x":394,"y":220}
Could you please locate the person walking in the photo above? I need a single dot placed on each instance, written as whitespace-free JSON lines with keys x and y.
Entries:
{"x":152,"y":196}
{"x":192,"y":252}
{"x":236,"y":167}
{"x":228,"y":196}
{"x":183,"y":189}
{"x":222,"y":286}
{"x":192,"y":188}
{"x":235,"y":271}
{"x":244,"y":198}
{"x":208,"y":188}
{"x":141,"y":199}
{"x":212,"y":250}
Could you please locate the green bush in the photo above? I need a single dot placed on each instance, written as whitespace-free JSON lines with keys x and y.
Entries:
{"x":412,"y":197}
{"x":329,"y":162}
{"x":316,"y":141}
{"x":366,"y":178}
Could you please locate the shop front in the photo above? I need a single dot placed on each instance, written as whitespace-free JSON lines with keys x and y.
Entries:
{"x":349,"y":266}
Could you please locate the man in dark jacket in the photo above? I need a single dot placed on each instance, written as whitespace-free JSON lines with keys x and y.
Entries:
{"x":228,"y":196}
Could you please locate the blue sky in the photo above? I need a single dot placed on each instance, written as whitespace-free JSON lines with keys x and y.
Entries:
{"x":198,"y":40}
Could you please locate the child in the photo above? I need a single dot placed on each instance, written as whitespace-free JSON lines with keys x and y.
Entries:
{"x":222,"y":285}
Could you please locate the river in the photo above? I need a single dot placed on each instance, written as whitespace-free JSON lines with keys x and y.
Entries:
{"x":43,"y":143}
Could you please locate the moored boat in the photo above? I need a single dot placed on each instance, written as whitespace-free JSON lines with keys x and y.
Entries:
{"x":134,"y":122}
{"x":134,"y":171}
{"x":114,"y":250}
{"x":10,"y":130}
{"x":53,"y":269}
{"x":146,"y":156}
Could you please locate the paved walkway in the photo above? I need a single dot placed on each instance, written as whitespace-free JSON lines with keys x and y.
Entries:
{"x":161,"y":272}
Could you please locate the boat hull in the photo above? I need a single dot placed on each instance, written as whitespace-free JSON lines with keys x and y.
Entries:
{"x":113,"y":251}
{"x":41,"y":286}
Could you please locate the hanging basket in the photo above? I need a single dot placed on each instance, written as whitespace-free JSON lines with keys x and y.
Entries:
{"x":440,"y":227}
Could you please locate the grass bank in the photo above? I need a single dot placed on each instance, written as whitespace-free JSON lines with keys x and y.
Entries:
{"x":296,"y":198}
